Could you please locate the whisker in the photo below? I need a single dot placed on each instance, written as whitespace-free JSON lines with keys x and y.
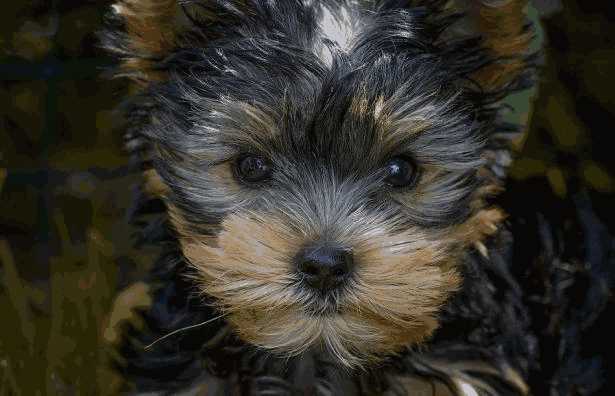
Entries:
{"x":183,"y":329}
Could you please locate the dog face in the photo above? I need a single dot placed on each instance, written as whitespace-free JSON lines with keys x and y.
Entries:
{"x":324,"y":177}
{"x":321,"y":205}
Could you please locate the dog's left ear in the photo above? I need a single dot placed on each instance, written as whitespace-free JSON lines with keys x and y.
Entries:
{"x":506,"y":36}
{"x":498,"y":63}
{"x":504,"y":33}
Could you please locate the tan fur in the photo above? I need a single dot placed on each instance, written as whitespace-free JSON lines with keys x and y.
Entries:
{"x":401,"y":280}
{"x":480,"y":226}
{"x":242,"y":123}
{"x":153,"y":184}
{"x":391,"y":126}
{"x":501,"y":26}
{"x":151,"y":29}
{"x":360,"y":106}
{"x":258,"y":126}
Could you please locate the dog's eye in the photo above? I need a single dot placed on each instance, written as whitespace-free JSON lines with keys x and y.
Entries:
{"x":251,"y":168}
{"x":401,"y":172}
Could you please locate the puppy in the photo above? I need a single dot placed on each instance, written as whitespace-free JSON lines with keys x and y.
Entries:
{"x":321,"y":175}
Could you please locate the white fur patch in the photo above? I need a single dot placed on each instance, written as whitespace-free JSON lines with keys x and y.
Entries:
{"x":338,"y":32}
{"x":467,"y":389}
{"x":118,"y":9}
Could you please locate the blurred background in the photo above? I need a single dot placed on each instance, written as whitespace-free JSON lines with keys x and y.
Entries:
{"x":69,"y":272}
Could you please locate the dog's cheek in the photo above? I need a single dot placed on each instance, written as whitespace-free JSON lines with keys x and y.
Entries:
{"x":247,"y":249}
{"x":401,"y":281}
{"x":404,"y":281}
{"x":404,"y":317}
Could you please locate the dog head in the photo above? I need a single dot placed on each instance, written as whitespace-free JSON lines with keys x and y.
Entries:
{"x":325,"y":166}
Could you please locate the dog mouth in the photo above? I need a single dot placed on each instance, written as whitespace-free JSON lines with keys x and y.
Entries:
{"x":357,"y":298}
{"x":322,"y":305}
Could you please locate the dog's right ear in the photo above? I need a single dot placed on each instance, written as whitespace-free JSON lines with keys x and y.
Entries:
{"x":144,"y":33}
{"x":141,"y":34}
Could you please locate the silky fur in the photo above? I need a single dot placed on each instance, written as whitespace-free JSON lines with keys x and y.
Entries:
{"x":400,"y":281}
{"x":328,"y":92}
{"x":380,"y":311}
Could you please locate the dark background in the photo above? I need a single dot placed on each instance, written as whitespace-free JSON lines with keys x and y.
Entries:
{"x":68,"y":266}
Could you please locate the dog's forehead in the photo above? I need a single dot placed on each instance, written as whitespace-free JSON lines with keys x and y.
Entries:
{"x":351,"y":116}
{"x":341,"y":122}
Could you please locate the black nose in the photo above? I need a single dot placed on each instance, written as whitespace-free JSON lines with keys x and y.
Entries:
{"x":323,"y":267}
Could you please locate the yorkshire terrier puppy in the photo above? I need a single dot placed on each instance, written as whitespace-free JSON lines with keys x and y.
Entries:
{"x":321,"y":175}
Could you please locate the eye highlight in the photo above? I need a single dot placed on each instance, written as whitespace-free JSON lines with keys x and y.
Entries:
{"x":400,"y":172}
{"x":252,"y":168}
